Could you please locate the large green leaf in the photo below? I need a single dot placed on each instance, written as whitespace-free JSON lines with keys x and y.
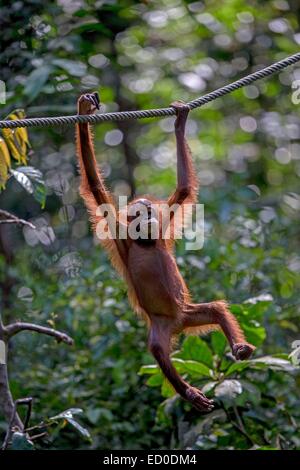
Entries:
{"x":272,"y":362}
{"x":155,"y":380}
{"x":265,"y":362}
{"x":167,"y":390}
{"x":248,"y":315}
{"x":237,"y":367}
{"x":257,"y":306}
{"x":254,"y":334}
{"x":193,"y":368}
{"x":219,"y":342}
{"x":196,"y":349}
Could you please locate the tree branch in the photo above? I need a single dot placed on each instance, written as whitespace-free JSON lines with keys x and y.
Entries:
{"x":7,"y":404}
{"x":13,"y":219}
{"x":15,"y":328}
{"x":20,"y":401}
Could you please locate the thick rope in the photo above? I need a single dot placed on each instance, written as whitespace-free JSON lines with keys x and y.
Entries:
{"x":148,"y":113}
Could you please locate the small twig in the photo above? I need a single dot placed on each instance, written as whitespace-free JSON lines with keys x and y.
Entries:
{"x":238,"y":426}
{"x":241,"y":425}
{"x":41,"y":425}
{"x":245,"y":434}
{"x":38,"y":436}
{"x":15,"y":328}
{"x":13,"y":219}
{"x":28,"y":402}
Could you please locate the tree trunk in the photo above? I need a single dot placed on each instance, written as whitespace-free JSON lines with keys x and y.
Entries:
{"x":6,"y":399}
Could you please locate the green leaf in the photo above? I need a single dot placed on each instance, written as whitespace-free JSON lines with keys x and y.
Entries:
{"x":191,"y":367}
{"x":150,"y":369}
{"x":257,"y":306}
{"x":197,"y":349}
{"x":167,"y":390}
{"x":40,"y":194}
{"x":218,"y":342}
{"x":275,"y":363}
{"x":248,"y":315}
{"x":266,"y":362}
{"x":238,"y":309}
{"x":255,"y":334}
{"x":237,"y":367}
{"x":155,"y":380}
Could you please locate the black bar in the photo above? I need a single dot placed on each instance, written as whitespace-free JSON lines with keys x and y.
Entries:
{"x":151,"y":459}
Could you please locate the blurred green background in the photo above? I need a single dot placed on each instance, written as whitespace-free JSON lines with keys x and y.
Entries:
{"x":246,"y":148}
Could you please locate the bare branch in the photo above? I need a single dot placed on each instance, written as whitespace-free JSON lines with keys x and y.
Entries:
{"x":6,"y":399}
{"x":38,"y":436}
{"x":17,"y":222}
{"x":15,"y":328}
{"x":12,"y":219}
{"x":7,"y":404}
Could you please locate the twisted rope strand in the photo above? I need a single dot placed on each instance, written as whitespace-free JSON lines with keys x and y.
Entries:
{"x":148,"y":113}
